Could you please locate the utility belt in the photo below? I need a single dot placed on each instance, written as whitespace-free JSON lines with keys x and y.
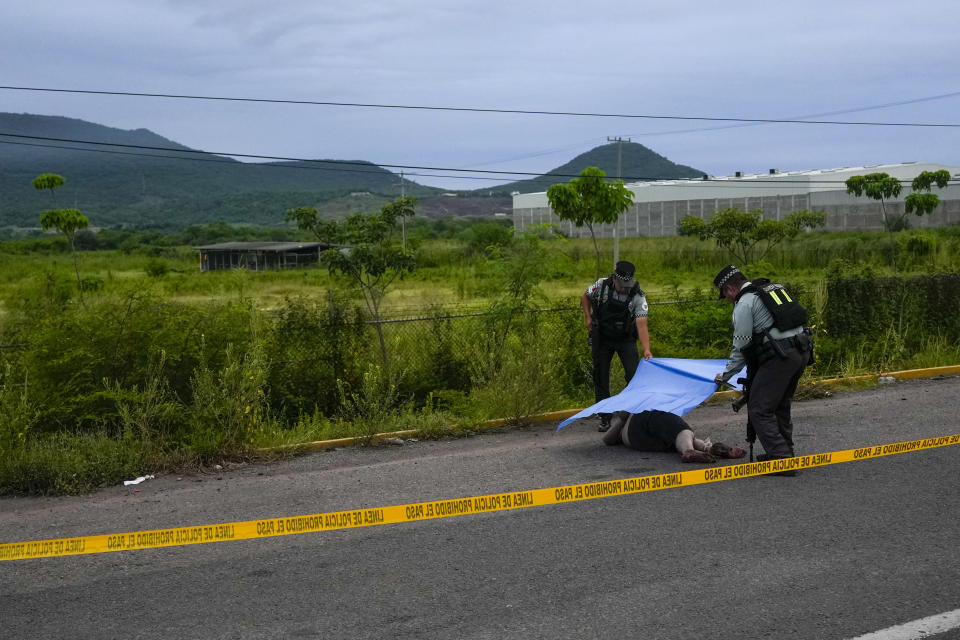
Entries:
{"x":763,"y":347}
{"x":616,"y":330}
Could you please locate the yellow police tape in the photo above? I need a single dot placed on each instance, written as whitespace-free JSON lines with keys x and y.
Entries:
{"x":443,"y":508}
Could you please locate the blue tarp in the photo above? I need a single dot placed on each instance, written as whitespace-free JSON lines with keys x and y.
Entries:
{"x":676,"y":385}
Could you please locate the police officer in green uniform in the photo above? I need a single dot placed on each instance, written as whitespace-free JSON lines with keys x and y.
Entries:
{"x":770,"y":337}
{"x":615,"y":314}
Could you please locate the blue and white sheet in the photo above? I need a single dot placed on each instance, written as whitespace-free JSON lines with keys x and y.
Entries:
{"x":675,"y":385}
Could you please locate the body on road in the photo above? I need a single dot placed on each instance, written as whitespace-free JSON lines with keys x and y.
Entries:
{"x":655,"y":430}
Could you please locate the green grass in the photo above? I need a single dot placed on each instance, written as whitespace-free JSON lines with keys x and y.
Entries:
{"x":247,"y":362}
{"x":450,"y":276}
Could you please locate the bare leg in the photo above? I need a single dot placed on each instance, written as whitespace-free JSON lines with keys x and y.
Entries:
{"x":685,"y":441}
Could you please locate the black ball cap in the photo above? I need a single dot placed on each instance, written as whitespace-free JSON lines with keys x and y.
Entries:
{"x":723,"y":276}
{"x":624,"y":270}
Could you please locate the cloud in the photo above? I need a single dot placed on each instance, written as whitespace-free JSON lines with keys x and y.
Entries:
{"x":751,"y":59}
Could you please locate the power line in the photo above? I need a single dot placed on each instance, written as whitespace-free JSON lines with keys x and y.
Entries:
{"x":481,"y":110}
{"x":258,"y":156}
{"x":576,"y":145}
{"x":886,"y":105}
{"x":225,"y":160}
{"x":238,"y":163}
{"x":317,"y":164}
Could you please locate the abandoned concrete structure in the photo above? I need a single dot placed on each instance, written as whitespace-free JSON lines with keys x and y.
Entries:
{"x":260,"y":256}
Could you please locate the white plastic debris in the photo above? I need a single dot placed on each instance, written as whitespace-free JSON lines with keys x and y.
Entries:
{"x":886,"y":380}
{"x":137,"y":480}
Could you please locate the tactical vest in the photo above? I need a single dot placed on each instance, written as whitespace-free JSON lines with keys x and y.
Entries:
{"x":787,"y":313}
{"x":613,"y":317}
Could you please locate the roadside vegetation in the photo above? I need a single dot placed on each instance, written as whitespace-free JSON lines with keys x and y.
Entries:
{"x":150,"y":365}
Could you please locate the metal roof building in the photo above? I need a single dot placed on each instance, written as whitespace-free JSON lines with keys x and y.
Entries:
{"x":260,"y":256}
{"x":660,"y":205}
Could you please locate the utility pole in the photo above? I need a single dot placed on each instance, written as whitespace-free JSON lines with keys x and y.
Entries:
{"x":403,"y":219}
{"x":616,"y":236}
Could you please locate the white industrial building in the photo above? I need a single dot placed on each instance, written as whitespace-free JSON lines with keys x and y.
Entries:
{"x":660,"y":205}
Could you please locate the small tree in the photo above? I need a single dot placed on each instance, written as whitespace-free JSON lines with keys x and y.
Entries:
{"x":65,"y":221}
{"x":745,"y":235}
{"x":878,"y":186}
{"x":519,"y":270}
{"x":590,"y":200}
{"x":487,"y":237}
{"x":921,"y":201}
{"x":371,"y":255}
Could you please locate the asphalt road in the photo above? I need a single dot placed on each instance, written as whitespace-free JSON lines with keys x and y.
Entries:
{"x":836,"y":552}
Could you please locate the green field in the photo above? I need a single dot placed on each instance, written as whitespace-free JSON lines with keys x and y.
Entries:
{"x":155,"y":365}
{"x":449,"y":274}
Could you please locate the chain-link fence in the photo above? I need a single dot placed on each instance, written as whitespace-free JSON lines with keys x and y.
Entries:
{"x":443,"y":357}
{"x":318,"y":354}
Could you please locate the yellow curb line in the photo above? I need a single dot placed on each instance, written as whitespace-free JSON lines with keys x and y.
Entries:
{"x":932,"y":372}
{"x":321,"y":445}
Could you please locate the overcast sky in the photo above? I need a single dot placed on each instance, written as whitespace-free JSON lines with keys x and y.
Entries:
{"x":731,"y":60}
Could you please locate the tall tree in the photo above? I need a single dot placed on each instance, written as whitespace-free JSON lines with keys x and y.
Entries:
{"x":745,"y":235}
{"x":922,"y":201}
{"x":878,"y":186}
{"x":369,"y":252}
{"x":590,"y":200}
{"x":67,"y":222}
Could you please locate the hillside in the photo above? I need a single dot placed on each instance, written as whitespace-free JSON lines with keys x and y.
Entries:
{"x":638,"y":163}
{"x":142,"y":180}
{"x":136,"y":187}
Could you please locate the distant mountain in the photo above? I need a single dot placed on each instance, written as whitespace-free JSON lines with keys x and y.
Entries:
{"x":638,"y":163}
{"x":139,"y":179}
{"x":123,"y":184}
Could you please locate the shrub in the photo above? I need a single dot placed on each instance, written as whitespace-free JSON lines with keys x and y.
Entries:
{"x":371,"y":402}
{"x":17,"y":413}
{"x":310,"y":347}
{"x":523,"y":386}
{"x":228,"y":405}
{"x":152,"y":413}
{"x":868,"y":307}
{"x":691,"y":330}
{"x":485,"y":236}
{"x":436,"y":354}
{"x":69,"y":463}
{"x":156,"y":268}
{"x":70,"y":351}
